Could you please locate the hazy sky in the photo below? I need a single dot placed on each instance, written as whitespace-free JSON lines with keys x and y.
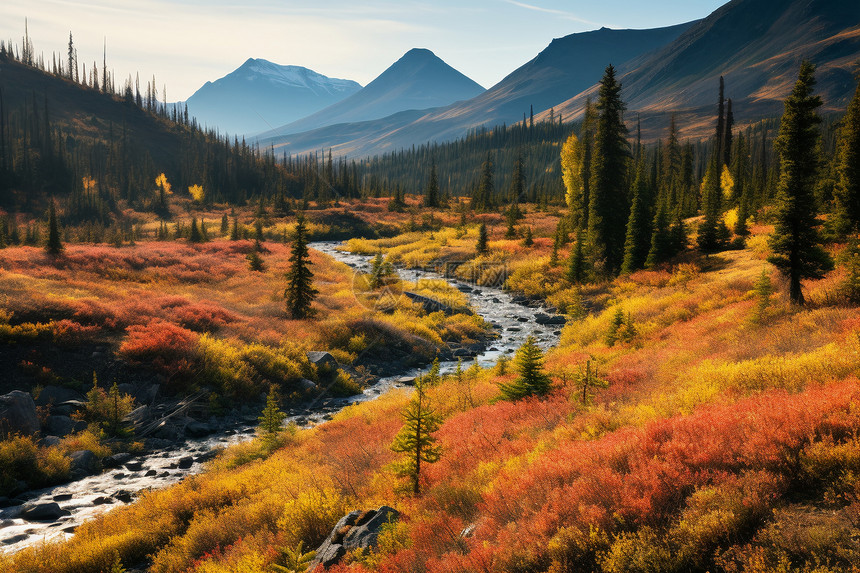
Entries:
{"x":187,"y":42}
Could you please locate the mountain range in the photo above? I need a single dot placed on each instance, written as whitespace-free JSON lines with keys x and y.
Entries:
{"x":757,"y":45}
{"x":260,"y":95}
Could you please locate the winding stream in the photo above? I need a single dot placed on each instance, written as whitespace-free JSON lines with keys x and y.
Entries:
{"x":89,"y":497}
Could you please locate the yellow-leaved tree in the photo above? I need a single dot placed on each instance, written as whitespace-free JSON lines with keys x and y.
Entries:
{"x":571,"y":173}
{"x":197,"y":193}
{"x":164,"y":189}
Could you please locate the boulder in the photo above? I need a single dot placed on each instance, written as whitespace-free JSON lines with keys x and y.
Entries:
{"x":322,"y":359}
{"x":433,"y":305}
{"x":356,"y":530}
{"x":406,"y":380}
{"x":307,"y":385}
{"x":185,"y":463}
{"x":542,"y":318}
{"x":59,"y":426}
{"x":18,"y":414}
{"x":57,"y":395}
{"x":50,"y":511}
{"x":198,"y":429}
{"x":84,"y":463}
{"x":116,"y":460}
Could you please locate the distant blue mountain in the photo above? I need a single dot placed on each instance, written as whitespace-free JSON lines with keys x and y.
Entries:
{"x":261,"y":95}
{"x":418,"y":80}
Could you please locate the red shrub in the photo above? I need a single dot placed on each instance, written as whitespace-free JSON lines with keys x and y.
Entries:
{"x":166,"y":347}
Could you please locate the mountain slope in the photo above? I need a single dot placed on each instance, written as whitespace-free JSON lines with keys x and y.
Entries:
{"x":260,"y":94}
{"x":757,"y":45}
{"x":566,"y":67}
{"x":418,"y":80}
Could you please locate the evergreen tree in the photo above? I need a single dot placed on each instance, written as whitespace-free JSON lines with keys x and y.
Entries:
{"x":763,"y":291}
{"x":638,"y":237}
{"x":380,"y":271}
{"x":255,"y":261}
{"x":528,"y":240}
{"x":710,"y":233}
{"x":272,"y":418}
{"x":54,"y":245}
{"x":194,"y":235}
{"x":300,"y":292}
{"x":481,"y":245}
{"x":660,"y":244}
{"x":234,"y":230}
{"x":576,"y":262}
{"x":532,"y":380}
{"x":431,"y":192}
{"x":483,"y":199}
{"x":415,"y":439}
{"x":608,"y":212}
{"x":795,"y":242}
{"x":518,"y":186}
{"x":225,"y":225}
{"x":847,"y":192}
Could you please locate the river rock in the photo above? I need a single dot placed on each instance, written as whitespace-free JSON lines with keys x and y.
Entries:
{"x":123,"y":496}
{"x":62,"y":497}
{"x":18,"y":414}
{"x":42,"y":512}
{"x":49,"y":441}
{"x":185,"y":462}
{"x":134,"y":466}
{"x":56,"y":395}
{"x":102,"y":500}
{"x":433,"y":305}
{"x":198,"y":429}
{"x":116,"y":460}
{"x":59,"y":426}
{"x":542,"y":318}
{"x":356,"y":530}
{"x":322,"y":359}
{"x":84,"y":463}
{"x":307,"y":385}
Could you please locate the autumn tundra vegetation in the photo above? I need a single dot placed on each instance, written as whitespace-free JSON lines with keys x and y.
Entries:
{"x":699,"y":413}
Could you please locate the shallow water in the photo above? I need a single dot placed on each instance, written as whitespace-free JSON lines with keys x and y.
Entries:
{"x":94,"y":495}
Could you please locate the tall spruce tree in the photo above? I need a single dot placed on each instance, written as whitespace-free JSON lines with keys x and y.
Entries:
{"x":300,"y":292}
{"x":481,"y":246}
{"x":431,"y":192}
{"x":795,"y":242}
{"x":532,"y":380}
{"x":54,"y":245}
{"x":483,"y":199}
{"x":637,"y":241}
{"x":518,"y":185}
{"x":709,"y":228}
{"x":847,"y":192}
{"x":415,"y":439}
{"x":608,"y":206}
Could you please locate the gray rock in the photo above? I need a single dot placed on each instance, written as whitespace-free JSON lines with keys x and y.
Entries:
{"x":50,"y":511}
{"x":432,"y":305}
{"x":49,"y":441}
{"x":18,"y":414}
{"x":62,"y":497}
{"x":185,"y":463}
{"x":198,"y":429}
{"x":84,"y":463}
{"x":59,"y":426}
{"x":102,"y":500}
{"x":406,"y":380}
{"x":542,"y":318}
{"x":14,"y":539}
{"x":366,"y":530}
{"x":323,"y":359}
{"x":116,"y":460}
{"x":358,"y":529}
{"x":123,"y":496}
{"x":135,"y":466}
{"x":307,"y":385}
{"x":57,"y":395}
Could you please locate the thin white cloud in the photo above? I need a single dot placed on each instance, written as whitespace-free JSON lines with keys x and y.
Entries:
{"x":553,"y":11}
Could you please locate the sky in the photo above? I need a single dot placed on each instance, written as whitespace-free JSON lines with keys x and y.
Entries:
{"x":185,"y":43}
